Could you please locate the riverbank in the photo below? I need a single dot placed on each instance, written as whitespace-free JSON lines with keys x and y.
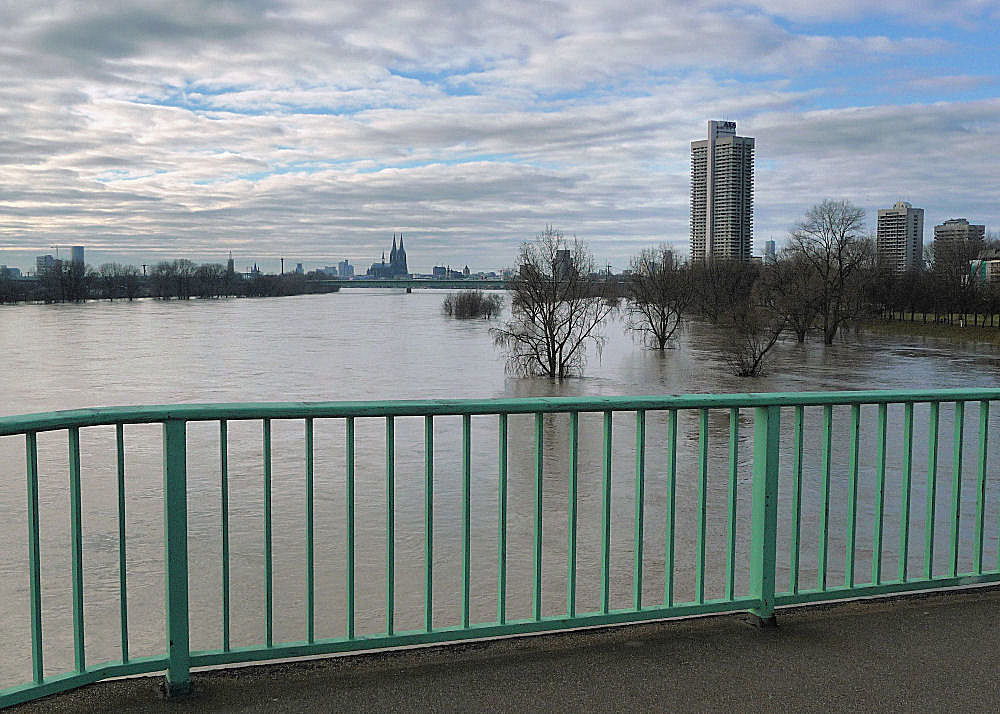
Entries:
{"x":902,"y":328}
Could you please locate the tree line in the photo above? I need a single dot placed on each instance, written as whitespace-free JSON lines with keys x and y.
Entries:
{"x":828,"y":277}
{"x":183,"y":279}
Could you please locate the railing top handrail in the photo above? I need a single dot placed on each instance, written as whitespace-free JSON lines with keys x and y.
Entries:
{"x":151,"y":414}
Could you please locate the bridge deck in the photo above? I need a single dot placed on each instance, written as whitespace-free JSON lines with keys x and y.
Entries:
{"x":927,"y":653}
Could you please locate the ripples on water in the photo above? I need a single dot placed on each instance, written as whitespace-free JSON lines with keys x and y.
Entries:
{"x":371,"y":344}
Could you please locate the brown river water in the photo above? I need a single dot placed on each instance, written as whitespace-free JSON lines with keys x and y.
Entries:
{"x":379,"y":344}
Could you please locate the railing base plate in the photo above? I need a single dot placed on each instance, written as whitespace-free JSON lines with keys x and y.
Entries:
{"x":175,"y":690}
{"x":761,"y":623}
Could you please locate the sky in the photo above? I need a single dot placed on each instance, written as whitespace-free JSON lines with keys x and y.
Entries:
{"x":313,"y":131}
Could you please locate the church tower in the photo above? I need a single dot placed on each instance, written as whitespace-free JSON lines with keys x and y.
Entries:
{"x":399,"y":264}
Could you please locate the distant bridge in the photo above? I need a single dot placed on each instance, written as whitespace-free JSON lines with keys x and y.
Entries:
{"x":445,"y":284}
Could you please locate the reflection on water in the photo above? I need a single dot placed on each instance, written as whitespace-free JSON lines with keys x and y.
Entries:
{"x":367,"y":344}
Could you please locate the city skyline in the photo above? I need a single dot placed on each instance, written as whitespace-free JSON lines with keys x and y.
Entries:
{"x":311,"y":133}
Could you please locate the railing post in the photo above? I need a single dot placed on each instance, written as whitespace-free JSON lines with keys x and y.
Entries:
{"x":176,"y":556}
{"x":764,"y":531}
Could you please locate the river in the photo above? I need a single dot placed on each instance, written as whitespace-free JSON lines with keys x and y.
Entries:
{"x":365,"y":344}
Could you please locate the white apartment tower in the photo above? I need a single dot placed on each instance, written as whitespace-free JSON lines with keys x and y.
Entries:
{"x":900,"y":237}
{"x":722,"y":194}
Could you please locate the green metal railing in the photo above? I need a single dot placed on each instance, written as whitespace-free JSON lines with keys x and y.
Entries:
{"x":779,"y":461}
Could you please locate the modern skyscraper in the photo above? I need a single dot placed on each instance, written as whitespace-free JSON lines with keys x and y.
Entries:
{"x":77,"y":254}
{"x":770,"y":255}
{"x":722,"y":194}
{"x":900,"y":237}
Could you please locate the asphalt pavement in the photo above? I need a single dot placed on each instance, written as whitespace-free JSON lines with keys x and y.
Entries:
{"x":938,"y":652}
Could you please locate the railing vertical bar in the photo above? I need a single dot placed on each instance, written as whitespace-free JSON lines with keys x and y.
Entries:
{"x":122,"y":576}
{"x":852,"y":494}
{"x":428,"y":522}
{"x":734,"y":446}
{"x":606,"y":519}
{"x":466,"y":515}
{"x":764,"y":526}
{"x":390,"y":526}
{"x":537,"y":550}
{"x":574,"y":441}
{"x":932,"y":459}
{"x":699,"y":592}
{"x":502,"y":519}
{"x":956,"y":484}
{"x":824,"y":522}
{"x":268,"y":555}
{"x":984,"y":432}
{"x":224,"y":497}
{"x":34,"y":557}
{"x":310,"y":535}
{"x":640,"y":499}
{"x":904,"y":509}
{"x":76,"y":540}
{"x":883,"y":417}
{"x":176,"y":556}
{"x":671,"y":508}
{"x":349,"y":502}
{"x":793,"y":562}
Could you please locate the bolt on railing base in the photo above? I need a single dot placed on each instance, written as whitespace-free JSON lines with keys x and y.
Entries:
{"x":761,"y":623}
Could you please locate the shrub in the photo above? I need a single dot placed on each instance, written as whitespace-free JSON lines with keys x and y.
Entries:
{"x":472,"y":303}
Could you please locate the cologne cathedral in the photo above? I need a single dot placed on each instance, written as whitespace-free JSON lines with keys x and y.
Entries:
{"x":396,"y":267}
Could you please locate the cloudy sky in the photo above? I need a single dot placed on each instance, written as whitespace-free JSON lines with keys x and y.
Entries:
{"x":314,"y":130}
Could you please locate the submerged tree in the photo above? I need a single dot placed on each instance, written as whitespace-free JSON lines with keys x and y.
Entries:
{"x":753,"y":332}
{"x":832,"y":242}
{"x":556,"y":308}
{"x":658,"y":292}
{"x":472,"y":303}
{"x":788,"y":287}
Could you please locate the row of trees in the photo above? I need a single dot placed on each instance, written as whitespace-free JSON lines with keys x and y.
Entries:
{"x":177,"y":279}
{"x":827,"y":277}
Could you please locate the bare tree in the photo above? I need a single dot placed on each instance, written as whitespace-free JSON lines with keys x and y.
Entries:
{"x":754,"y":331}
{"x":789,"y":287}
{"x":658,"y":293}
{"x":472,"y":303}
{"x":721,"y":287}
{"x":832,"y":241}
{"x":556,"y":308}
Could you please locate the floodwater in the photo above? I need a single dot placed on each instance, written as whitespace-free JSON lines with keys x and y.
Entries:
{"x":374,"y":344}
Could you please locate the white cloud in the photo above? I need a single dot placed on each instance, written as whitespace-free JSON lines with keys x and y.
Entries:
{"x":316,"y":130}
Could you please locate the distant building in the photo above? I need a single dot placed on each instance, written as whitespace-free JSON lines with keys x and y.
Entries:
{"x":958,"y":229}
{"x":345,"y":270}
{"x":396,"y":267}
{"x":564,"y":264}
{"x":900,"y":237}
{"x":9,"y":273}
{"x":76,"y":254}
{"x":769,"y":252}
{"x":298,"y":269}
{"x":956,"y":240}
{"x":45,"y":263}
{"x":329,"y":270}
{"x":985,"y":270}
{"x":466,"y":271}
{"x":230,"y":266}
{"x":722,"y":194}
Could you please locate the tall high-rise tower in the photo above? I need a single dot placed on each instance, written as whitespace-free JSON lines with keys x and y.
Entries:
{"x":900,"y":237}
{"x":722,"y":194}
